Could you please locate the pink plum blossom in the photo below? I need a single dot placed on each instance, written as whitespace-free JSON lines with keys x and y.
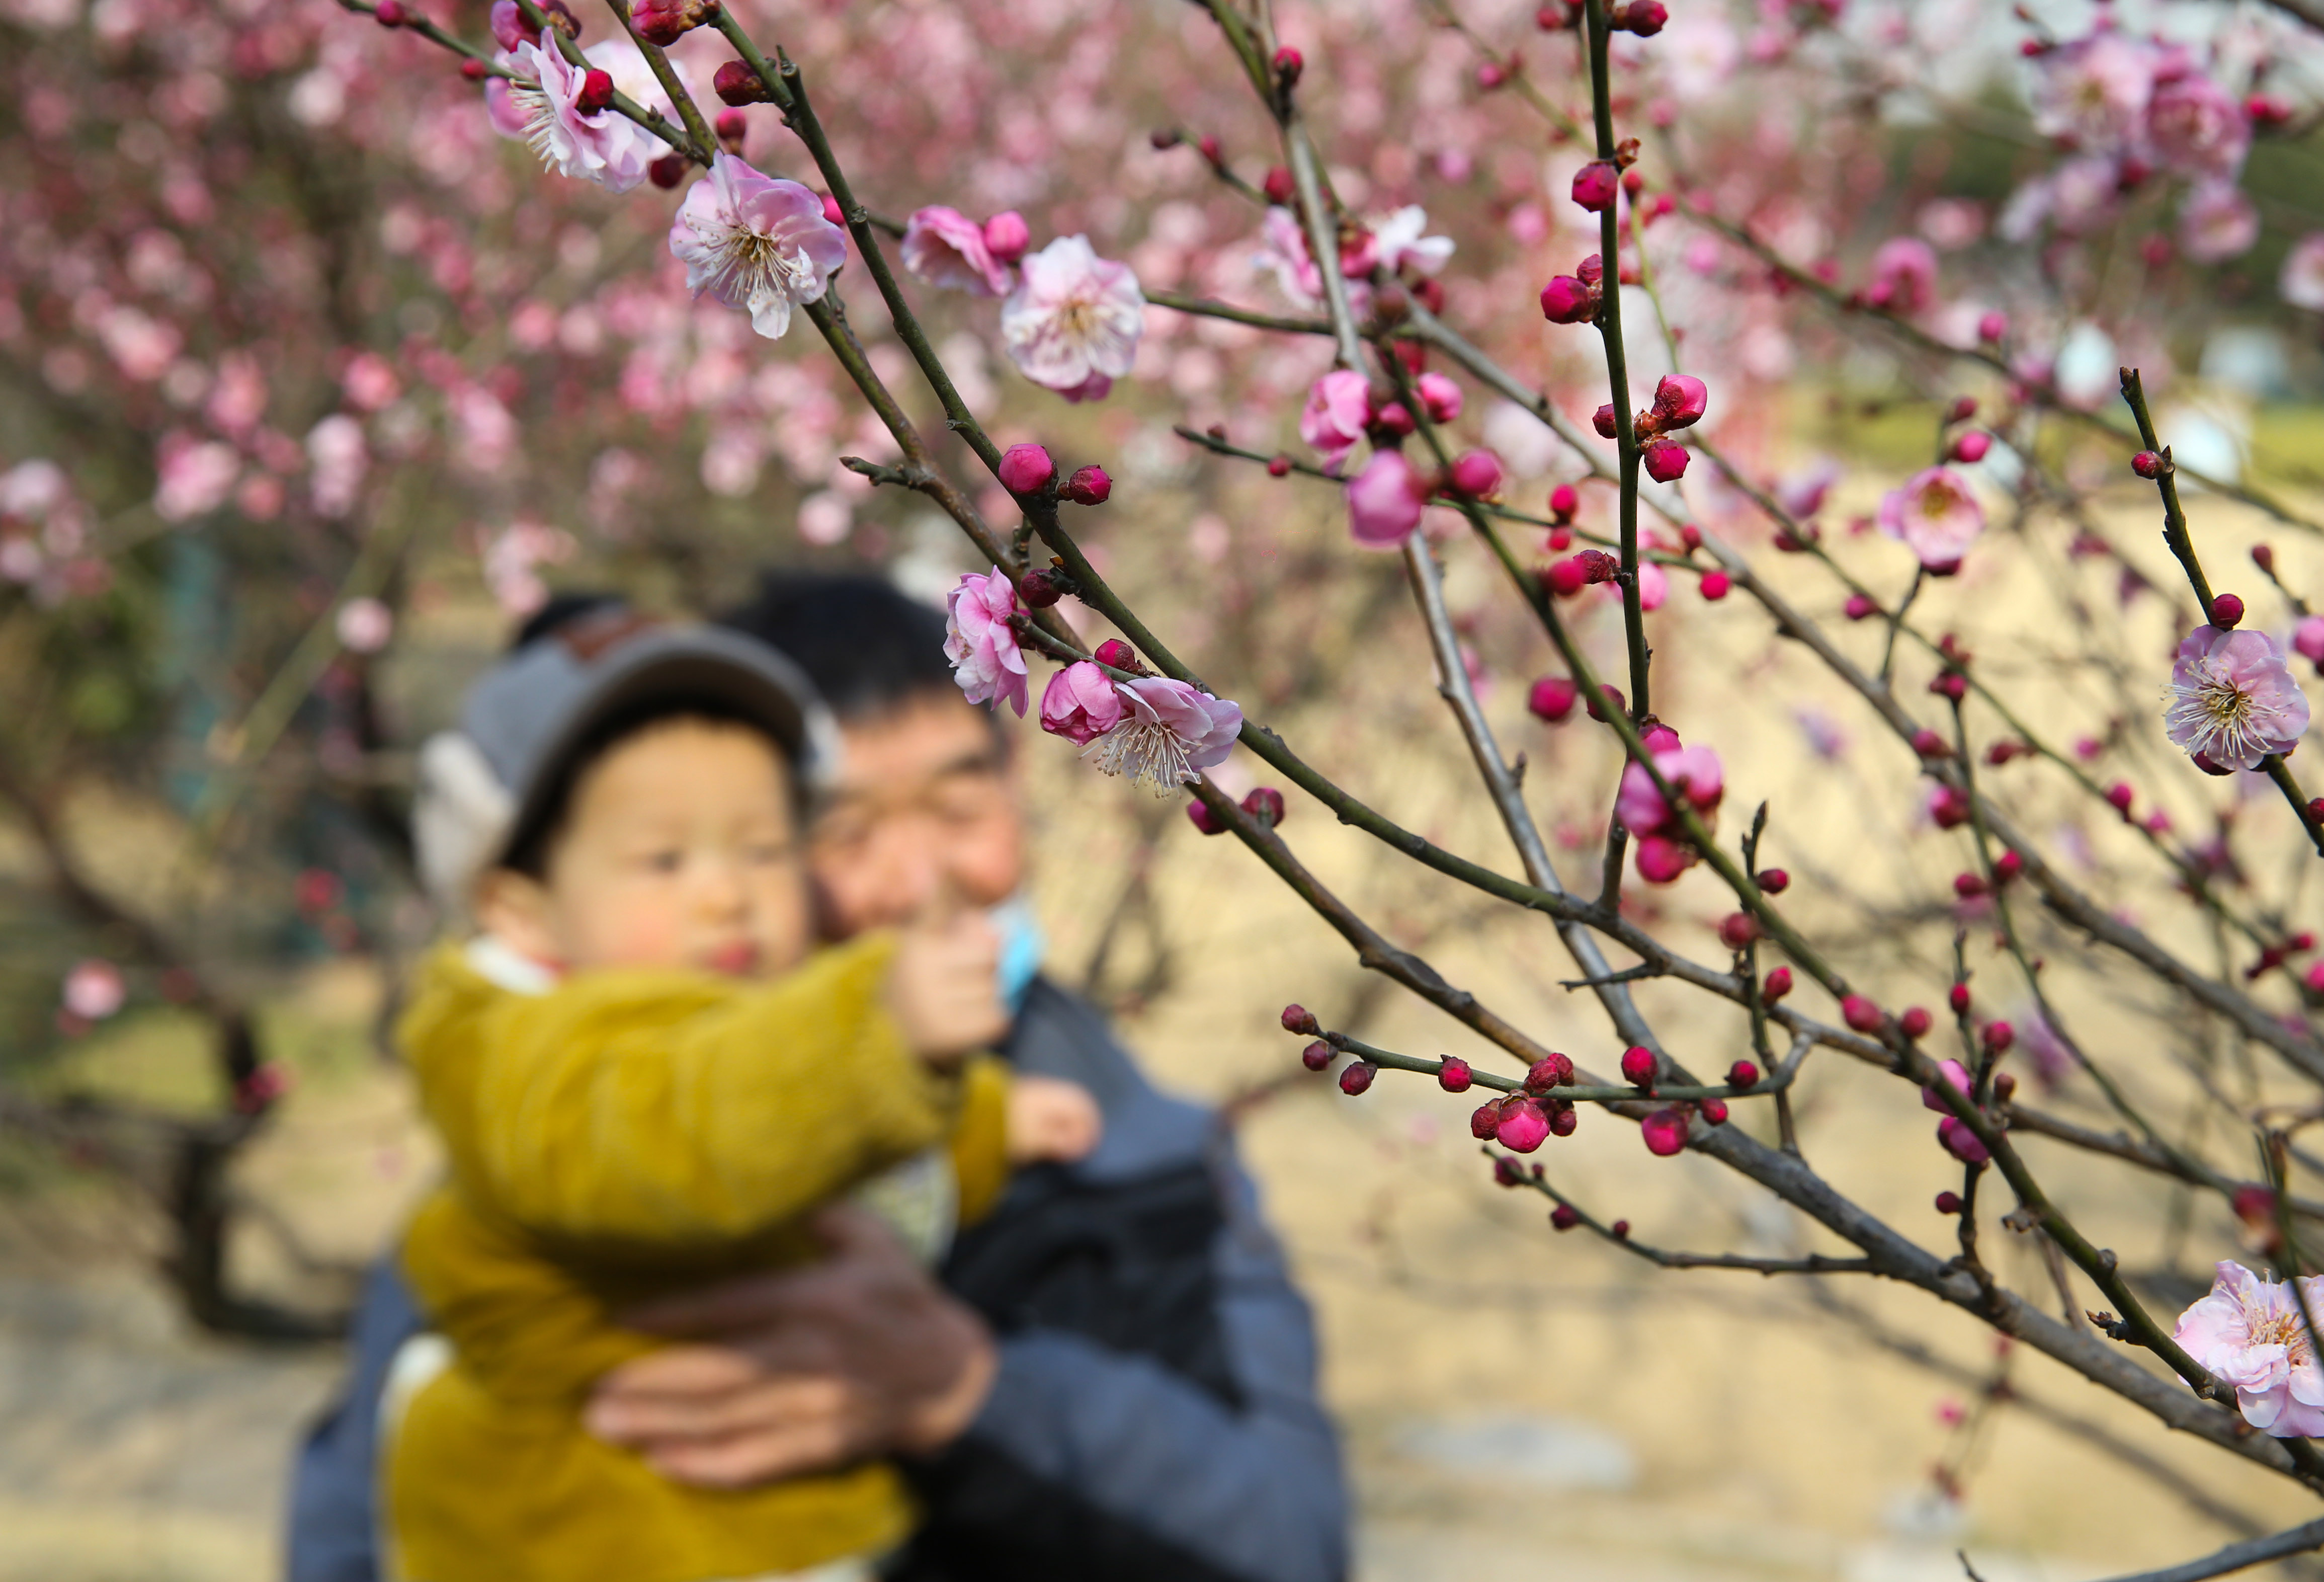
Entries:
{"x":2216,"y":222}
{"x":1385,"y":501}
{"x":1339,"y":405}
{"x":1694,"y":772}
{"x":1904,"y":276}
{"x":1523,"y":1127}
{"x":2308,"y":639}
{"x":365,"y":625}
{"x":604,"y":146}
{"x":2248,"y":1331}
{"x":1282,"y":255}
{"x":2095,"y":93}
{"x":1935,"y":516}
{"x":195,"y":478}
{"x":944,"y":247}
{"x":2302,"y":284}
{"x":2198,"y":128}
{"x":94,"y":990}
{"x":1168,"y":732}
{"x":2232,"y":700}
{"x":756,"y":243}
{"x":1073,"y":322}
{"x":1081,"y":703}
{"x":1439,"y":396}
{"x":980,"y":643}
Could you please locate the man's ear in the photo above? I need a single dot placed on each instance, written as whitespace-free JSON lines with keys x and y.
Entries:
{"x":514,"y":908}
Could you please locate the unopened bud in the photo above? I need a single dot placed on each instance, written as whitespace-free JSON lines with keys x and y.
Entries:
{"x":1643,"y":17}
{"x":1969,"y":886}
{"x":1998,"y":1037}
{"x":1089,"y":485}
{"x":2120,"y":797}
{"x":1859,"y":606}
{"x":1638,"y":1066}
{"x":1297,"y":1018}
{"x":1957,"y":998}
{"x":392,"y":13}
{"x":1713,"y":1111}
{"x":2005,"y":1086}
{"x":1860,"y":1013}
{"x":1614,"y":699}
{"x":2264,"y":557}
{"x":1665,"y":1131}
{"x":1564,"y":1217}
{"x":1778,"y":984}
{"x":1116,"y":654}
{"x":1772,"y":881}
{"x":1736,"y":930}
{"x":1948,"y":1203}
{"x":1163,"y":137}
{"x":1476,"y":475}
{"x":1199,"y":814}
{"x":665,"y":22}
{"x":1453,"y":1075}
{"x":1973,"y":446}
{"x":1357,"y":1077}
{"x":1288,"y":64}
{"x":667,"y":171}
{"x":597,"y":91}
{"x":1278,"y":186}
{"x":1715,"y":585}
{"x":1265,"y":805}
{"x":2147,"y":464}
{"x":1562,"y":1119}
{"x":2226,"y":611}
{"x":1564,"y":501}
{"x":1506,"y":1171}
{"x":1914,"y":1022}
{"x":1316,"y":1056}
{"x":1665,"y":462}
{"x":1485,"y":1120}
{"x":1552,"y":698}
{"x":1523,"y":1126}
{"x":731,"y":127}
{"x":1743,"y":1074}
{"x":1040,"y":589}
{"x":1211,"y":150}
{"x":735,"y":83}
{"x":1025,"y":469}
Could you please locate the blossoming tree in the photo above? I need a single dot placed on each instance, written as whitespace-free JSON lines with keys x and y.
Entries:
{"x":1574,"y":388}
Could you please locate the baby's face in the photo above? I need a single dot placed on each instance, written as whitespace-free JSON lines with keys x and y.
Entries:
{"x":679,"y":850}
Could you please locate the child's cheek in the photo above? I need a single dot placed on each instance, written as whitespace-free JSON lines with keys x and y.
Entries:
{"x":642,"y":934}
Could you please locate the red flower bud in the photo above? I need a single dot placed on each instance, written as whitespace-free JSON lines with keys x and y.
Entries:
{"x":1288,"y":64}
{"x":1778,"y":984}
{"x":1665,"y":463}
{"x":1477,"y":475}
{"x":1736,"y":930}
{"x":1715,"y":585}
{"x":2147,"y":464}
{"x":2121,"y":796}
{"x":1265,"y":805}
{"x":1607,"y":421}
{"x":1972,"y":446}
{"x":732,"y":127}
{"x":2264,"y":557}
{"x":665,"y":22}
{"x":1316,"y":1056}
{"x":1564,"y":1217}
{"x":597,"y":91}
{"x":1620,"y":1230}
{"x":1116,"y":654}
{"x":1041,"y":588}
{"x":2005,"y":1086}
{"x":1357,"y":1077}
{"x":1969,"y":886}
{"x":1957,"y":998}
{"x":1680,"y":400}
{"x":1208,"y":146}
{"x":1948,"y":1203}
{"x":1595,"y":184}
{"x":1665,"y":1131}
{"x":1089,"y":485}
{"x":1860,"y":1013}
{"x":1951,"y":684}
{"x":1613,"y":696}
{"x":1393,"y":420}
{"x":667,"y":171}
{"x":1278,"y":467}
{"x":1559,"y":540}
{"x":1992,"y":326}
{"x":1297,"y":1018}
{"x":1949,"y":808}
{"x":1643,"y":17}
{"x":1506,"y":1171}
{"x":1277,"y":185}
{"x":392,"y":13}
{"x":1562,"y":1119}
{"x":735,"y":83}
{"x":1552,"y":1071}
{"x":2226,"y":611}
{"x":1859,"y":605}
{"x":1453,"y":1075}
{"x":1638,"y":1066}
{"x":1713,"y":1111}
{"x":1564,"y":501}
{"x":1485,"y":1120}
{"x":1025,"y":469}
{"x":1998,"y":1037}
{"x":1915,"y":1021}
{"x":1742,"y":1074}
{"x":1772,"y":881}
{"x":1523,"y":1126}
{"x":1567,"y":301}
{"x":1552,"y":698}
{"x":1564,"y":577}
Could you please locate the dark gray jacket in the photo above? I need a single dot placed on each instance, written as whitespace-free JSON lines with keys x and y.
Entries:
{"x":1155,"y":1414}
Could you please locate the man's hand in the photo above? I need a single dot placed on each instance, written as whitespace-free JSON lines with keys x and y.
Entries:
{"x":863,"y":1354}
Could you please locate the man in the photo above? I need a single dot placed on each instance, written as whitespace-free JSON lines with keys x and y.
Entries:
{"x":1120,"y":1383}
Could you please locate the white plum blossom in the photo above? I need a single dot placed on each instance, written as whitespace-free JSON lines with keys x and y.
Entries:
{"x":756,"y":243}
{"x":1073,"y":322}
{"x":1399,"y":237}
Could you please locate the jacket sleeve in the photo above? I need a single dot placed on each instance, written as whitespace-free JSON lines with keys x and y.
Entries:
{"x":334,"y":1528}
{"x":1170,"y":1481}
{"x":662,"y":1108}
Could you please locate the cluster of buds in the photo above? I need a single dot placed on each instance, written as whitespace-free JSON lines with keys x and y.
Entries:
{"x":2275,"y":956}
{"x":2006,"y":867}
{"x":665,"y":22}
{"x":1524,"y":1120}
{"x":1028,"y":470}
{"x":1266,"y":807}
{"x":1570,"y":576}
{"x":510,"y":25}
{"x":1575,"y":299}
{"x":1680,"y":402}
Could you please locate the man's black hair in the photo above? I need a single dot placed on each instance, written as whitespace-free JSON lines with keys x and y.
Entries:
{"x":561,"y":610}
{"x":868,"y":649}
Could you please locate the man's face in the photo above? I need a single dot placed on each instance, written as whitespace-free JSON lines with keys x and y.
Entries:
{"x":926,"y":809}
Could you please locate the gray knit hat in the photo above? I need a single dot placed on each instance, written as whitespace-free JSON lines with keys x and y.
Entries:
{"x":484,"y":784}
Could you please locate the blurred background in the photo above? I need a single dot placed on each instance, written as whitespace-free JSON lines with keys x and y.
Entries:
{"x":311,"y":387}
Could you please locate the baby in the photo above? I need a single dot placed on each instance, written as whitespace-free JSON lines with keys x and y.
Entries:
{"x":644,"y":1081}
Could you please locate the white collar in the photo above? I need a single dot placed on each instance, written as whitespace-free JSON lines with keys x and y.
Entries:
{"x":502,"y":964}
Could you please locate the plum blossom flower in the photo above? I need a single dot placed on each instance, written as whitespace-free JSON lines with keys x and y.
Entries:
{"x":2216,"y":222}
{"x":1904,"y":276}
{"x":365,"y":625}
{"x":2301,"y":282}
{"x":195,"y":478}
{"x":1081,"y":703}
{"x":1339,"y":405}
{"x":602,"y":145}
{"x":981,"y":644}
{"x":944,"y":247}
{"x":1073,"y":322}
{"x":1953,"y":1131}
{"x":1397,"y":240}
{"x":1694,"y":772}
{"x":2232,"y":700}
{"x":1385,"y":500}
{"x":2094,"y":93}
{"x":2249,"y":1332}
{"x":94,"y":990}
{"x":1168,"y":732}
{"x":1935,"y":516}
{"x":1282,"y":255}
{"x":2195,"y":126}
{"x":756,"y":243}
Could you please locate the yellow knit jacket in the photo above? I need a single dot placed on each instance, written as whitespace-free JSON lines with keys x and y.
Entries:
{"x":629,"y":1133}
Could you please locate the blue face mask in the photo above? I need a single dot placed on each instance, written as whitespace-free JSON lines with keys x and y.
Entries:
{"x":1022,"y":946}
